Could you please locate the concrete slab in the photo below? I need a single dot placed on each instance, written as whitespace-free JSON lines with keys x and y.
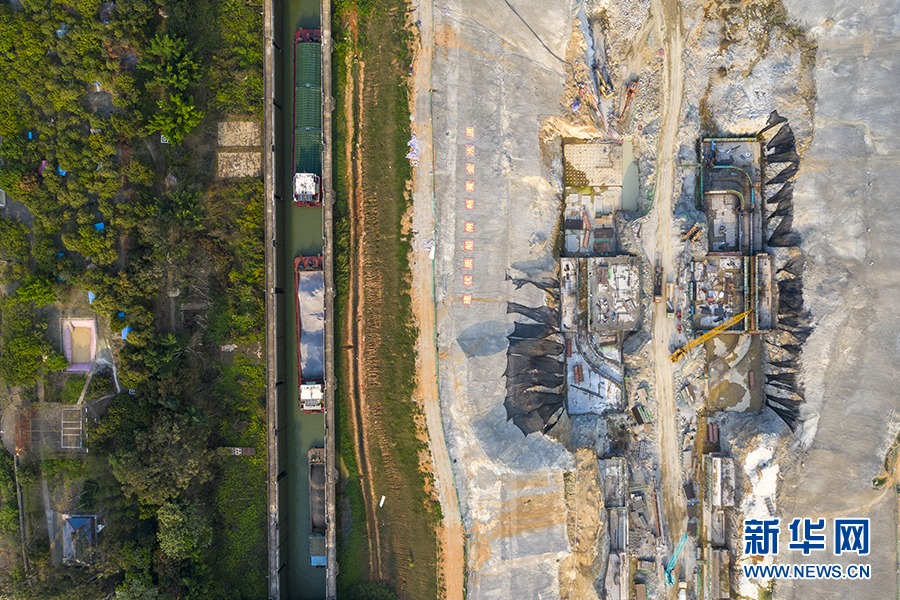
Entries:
{"x":239,"y":133}
{"x":238,"y":164}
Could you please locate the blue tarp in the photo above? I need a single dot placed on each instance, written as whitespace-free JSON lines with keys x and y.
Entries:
{"x":125,"y":333}
{"x":100,"y":226}
{"x":91,"y":297}
{"x":62,"y":172}
{"x":60,"y":255}
{"x":120,"y":314}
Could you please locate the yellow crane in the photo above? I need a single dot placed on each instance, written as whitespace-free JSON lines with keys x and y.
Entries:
{"x":678,"y":354}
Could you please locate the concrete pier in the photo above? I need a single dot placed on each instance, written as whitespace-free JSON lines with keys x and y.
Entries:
{"x":271,"y":313}
{"x":330,"y":378}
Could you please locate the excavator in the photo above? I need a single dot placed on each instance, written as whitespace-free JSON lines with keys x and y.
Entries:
{"x":630,"y":93}
{"x":681,"y":352}
{"x":603,"y":84}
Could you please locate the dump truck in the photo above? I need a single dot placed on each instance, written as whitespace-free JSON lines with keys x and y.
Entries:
{"x":657,"y":283}
{"x":670,"y":300}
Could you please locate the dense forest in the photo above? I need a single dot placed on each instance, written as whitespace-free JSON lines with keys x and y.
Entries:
{"x":107,"y":138}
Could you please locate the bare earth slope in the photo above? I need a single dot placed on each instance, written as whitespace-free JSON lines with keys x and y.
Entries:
{"x":846,"y":210}
{"x":451,"y":535}
{"x":498,"y":72}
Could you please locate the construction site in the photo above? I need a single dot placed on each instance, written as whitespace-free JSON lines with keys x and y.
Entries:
{"x":621,"y":294}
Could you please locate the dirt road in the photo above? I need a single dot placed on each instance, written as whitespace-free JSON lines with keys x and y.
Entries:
{"x":668,"y":23}
{"x":356,"y":366}
{"x":452,"y":538}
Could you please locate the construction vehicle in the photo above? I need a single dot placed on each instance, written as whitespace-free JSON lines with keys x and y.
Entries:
{"x":682,"y":590}
{"x":601,"y":69}
{"x":693,"y":234}
{"x":673,"y":562}
{"x":603,"y":84}
{"x":670,"y":300}
{"x":657,"y":283}
{"x":630,"y":93}
{"x":697,"y":234}
{"x":681,"y":352}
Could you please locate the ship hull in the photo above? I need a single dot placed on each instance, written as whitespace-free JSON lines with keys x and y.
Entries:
{"x":317,"y":521}
{"x":307,"y":137}
{"x":309,"y":286}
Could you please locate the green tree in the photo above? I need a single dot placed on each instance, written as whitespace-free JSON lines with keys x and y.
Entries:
{"x":13,"y":248}
{"x":176,"y":119}
{"x":55,"y":361}
{"x":137,"y":588}
{"x":166,"y":459}
{"x":37,"y":290}
{"x":125,"y":417}
{"x":183,"y":533}
{"x":24,"y":345}
{"x":93,"y":244}
{"x":172,"y":65}
{"x":138,"y":173}
{"x":183,"y":209}
{"x":125,"y":556}
{"x":163,"y":356}
{"x":9,"y":517}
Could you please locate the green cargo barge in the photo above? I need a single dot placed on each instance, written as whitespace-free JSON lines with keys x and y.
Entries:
{"x":307,"y":161}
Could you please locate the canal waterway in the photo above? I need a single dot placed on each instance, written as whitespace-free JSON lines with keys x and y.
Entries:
{"x":301,"y":235}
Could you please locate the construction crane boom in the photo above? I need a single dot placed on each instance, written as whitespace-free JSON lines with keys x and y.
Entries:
{"x":678,"y":354}
{"x":670,"y":568}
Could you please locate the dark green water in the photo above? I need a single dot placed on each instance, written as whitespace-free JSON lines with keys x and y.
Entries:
{"x":301,"y":235}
